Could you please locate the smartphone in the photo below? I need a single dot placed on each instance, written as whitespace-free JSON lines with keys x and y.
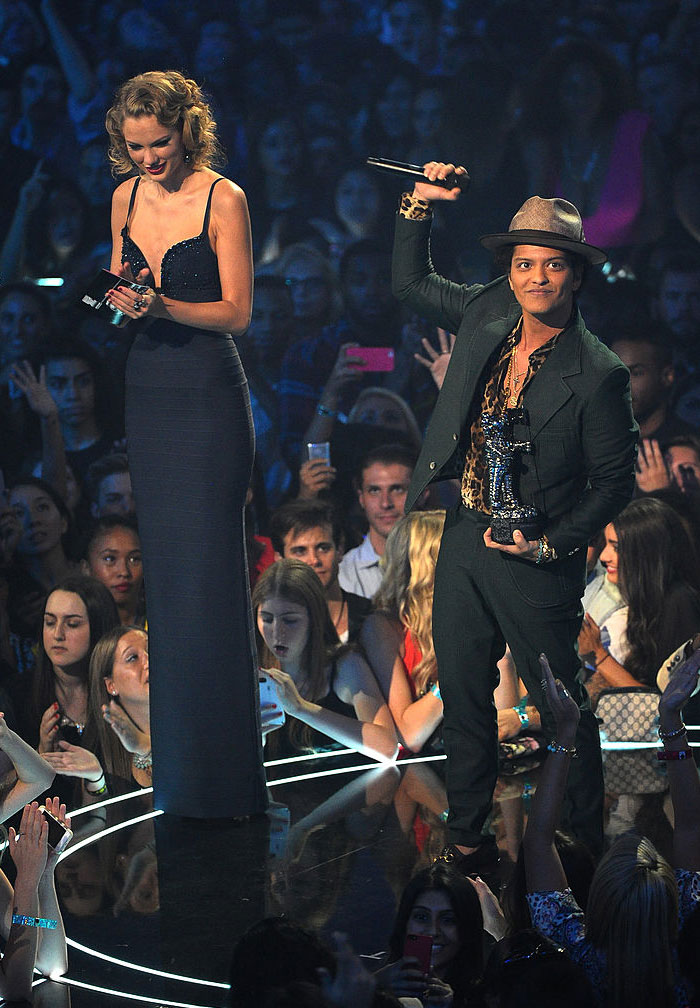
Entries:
{"x":319,"y":450}
{"x":59,"y":835}
{"x":421,"y":948}
{"x":375,"y":358}
{"x":268,"y":695}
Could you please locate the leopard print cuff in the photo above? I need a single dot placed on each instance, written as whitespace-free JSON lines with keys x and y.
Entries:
{"x":414,"y":208}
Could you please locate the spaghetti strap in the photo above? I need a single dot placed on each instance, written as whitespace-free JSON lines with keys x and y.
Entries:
{"x":131,"y":202}
{"x":208,"y":208}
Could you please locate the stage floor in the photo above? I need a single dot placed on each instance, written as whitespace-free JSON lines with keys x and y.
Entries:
{"x":153,"y":904}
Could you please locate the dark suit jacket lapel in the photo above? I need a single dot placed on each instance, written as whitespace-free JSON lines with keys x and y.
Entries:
{"x":549,"y":389}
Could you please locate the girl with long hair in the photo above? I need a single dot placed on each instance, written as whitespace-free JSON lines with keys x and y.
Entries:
{"x":118,"y":731}
{"x":328,"y":691}
{"x":445,"y":905}
{"x":649,"y":555}
{"x":636,"y":903}
{"x":397,"y":636}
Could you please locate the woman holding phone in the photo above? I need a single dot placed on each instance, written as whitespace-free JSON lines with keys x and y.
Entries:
{"x":183,"y":231}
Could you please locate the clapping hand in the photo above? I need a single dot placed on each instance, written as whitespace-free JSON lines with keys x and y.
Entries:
{"x":57,"y":808}
{"x":28,"y":846}
{"x":652,"y":471}
{"x":131,"y":737}
{"x":74,"y":761}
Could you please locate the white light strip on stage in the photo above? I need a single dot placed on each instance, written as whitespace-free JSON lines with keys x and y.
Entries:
{"x":84,"y":809}
{"x":145,"y":969}
{"x":308,"y":756}
{"x":105,"y":832}
{"x":131,"y":997}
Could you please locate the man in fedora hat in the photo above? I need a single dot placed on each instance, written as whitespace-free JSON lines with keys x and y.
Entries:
{"x":520,"y":344}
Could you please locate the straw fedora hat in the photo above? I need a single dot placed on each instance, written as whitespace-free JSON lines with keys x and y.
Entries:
{"x":552,"y":223}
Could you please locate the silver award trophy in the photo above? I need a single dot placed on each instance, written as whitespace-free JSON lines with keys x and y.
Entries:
{"x":507,"y":512}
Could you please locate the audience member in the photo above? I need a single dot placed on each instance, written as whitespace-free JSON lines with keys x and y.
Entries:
{"x":629,"y":961}
{"x":118,"y":718}
{"x":312,"y":533}
{"x":54,"y":698}
{"x":107,"y":486}
{"x":444,"y":905}
{"x":383,"y":478}
{"x":397,"y":636}
{"x":112,"y":555}
{"x":650,"y":557}
{"x":676,"y":304}
{"x":328,"y":694}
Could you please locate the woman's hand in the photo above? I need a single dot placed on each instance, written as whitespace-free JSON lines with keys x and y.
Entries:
{"x":437,"y":994}
{"x":35,"y":389}
{"x":564,"y":708}
{"x":130,"y":302}
{"x":437,"y":360}
{"x":589,"y":640}
{"x":132,"y":738}
{"x":55,"y":806}
{"x":353,"y":986}
{"x":438,"y":170}
{"x":404,"y":978}
{"x":10,"y":533}
{"x":28,"y":847}
{"x":74,"y":761}
{"x":678,"y":691}
{"x":494,"y":921}
{"x":290,"y":697}
{"x":48,"y":729}
{"x":344,"y":373}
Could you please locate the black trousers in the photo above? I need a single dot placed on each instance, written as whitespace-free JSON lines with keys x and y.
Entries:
{"x":483,"y":599}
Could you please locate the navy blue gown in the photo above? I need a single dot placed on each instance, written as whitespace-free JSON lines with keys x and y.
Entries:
{"x":191,"y":444}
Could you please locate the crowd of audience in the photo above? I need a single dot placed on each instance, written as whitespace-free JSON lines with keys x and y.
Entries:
{"x":303,"y":92}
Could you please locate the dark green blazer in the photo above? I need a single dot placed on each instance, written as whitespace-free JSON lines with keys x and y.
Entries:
{"x":584,"y":436}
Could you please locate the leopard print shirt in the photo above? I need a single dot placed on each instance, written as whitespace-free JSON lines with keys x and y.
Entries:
{"x":475,"y":493}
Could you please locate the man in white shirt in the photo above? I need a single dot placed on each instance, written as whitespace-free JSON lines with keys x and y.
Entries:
{"x":382,"y":483}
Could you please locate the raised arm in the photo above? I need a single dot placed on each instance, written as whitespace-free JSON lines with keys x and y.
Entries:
{"x":415,"y":720}
{"x":543,"y":868}
{"x":34,"y":775}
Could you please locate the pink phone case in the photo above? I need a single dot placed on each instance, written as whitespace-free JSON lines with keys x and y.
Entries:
{"x":421,"y":948}
{"x":374,"y":358}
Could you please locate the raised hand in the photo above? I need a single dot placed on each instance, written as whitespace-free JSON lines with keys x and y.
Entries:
{"x":74,"y":761}
{"x":132,"y":738}
{"x":437,"y":360}
{"x":652,"y":472}
{"x":28,"y":847}
{"x":563,"y":706}
{"x":48,"y":729}
{"x":35,"y":390}
{"x":57,"y":808}
{"x":315,"y":475}
{"x":438,"y":170}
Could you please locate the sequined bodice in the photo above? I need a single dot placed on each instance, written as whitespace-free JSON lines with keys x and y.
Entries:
{"x":189,"y":270}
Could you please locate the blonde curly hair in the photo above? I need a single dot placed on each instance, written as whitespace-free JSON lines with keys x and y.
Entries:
{"x":406,"y":591}
{"x":175,"y":101}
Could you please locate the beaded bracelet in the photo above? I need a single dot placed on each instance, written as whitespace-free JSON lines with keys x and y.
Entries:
{"x":554,"y":747}
{"x":674,"y":754}
{"x":666,"y":735}
{"x":520,"y":710}
{"x":40,"y":922}
{"x":99,"y":790}
{"x":144,"y":762}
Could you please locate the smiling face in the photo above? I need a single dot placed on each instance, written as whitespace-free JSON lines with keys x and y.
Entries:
{"x":608,"y":557}
{"x":66,"y":629}
{"x":284,"y":626}
{"x":544,"y":282}
{"x":432,"y":914}
{"x":129,"y":678}
{"x":156,"y":150}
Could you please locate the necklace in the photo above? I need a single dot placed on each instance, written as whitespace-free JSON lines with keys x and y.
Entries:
{"x":513,"y":378}
{"x":337,"y":622}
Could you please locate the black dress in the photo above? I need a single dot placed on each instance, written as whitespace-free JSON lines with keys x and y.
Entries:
{"x":191,"y":443}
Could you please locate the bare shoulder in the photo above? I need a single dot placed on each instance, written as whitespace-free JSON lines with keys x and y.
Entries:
{"x":122,"y":194}
{"x":227,"y":198}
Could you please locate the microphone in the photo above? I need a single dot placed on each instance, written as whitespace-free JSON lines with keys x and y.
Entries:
{"x":415,"y":173}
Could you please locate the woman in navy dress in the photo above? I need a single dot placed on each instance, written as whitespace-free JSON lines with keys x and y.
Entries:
{"x":184,"y":231}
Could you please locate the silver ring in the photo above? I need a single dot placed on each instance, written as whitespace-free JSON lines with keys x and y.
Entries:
{"x":138,"y":304}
